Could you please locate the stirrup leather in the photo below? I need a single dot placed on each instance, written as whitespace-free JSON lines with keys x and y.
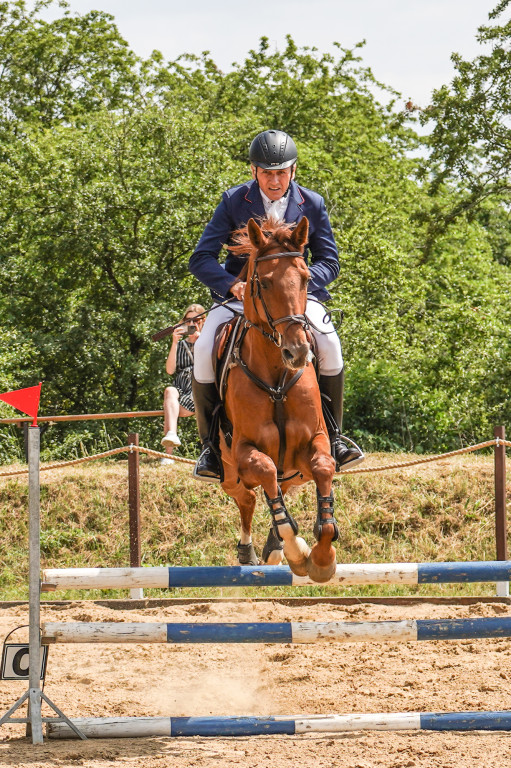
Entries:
{"x":331,"y":425}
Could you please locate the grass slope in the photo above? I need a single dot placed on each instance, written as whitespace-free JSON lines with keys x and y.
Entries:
{"x":438,"y":511}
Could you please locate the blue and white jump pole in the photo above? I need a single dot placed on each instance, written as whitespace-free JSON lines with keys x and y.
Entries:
{"x":131,"y":727}
{"x":296,"y":632}
{"x":172,"y":577}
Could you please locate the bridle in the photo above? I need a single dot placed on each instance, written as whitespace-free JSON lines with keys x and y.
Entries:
{"x":277,"y":393}
{"x":257,"y":293}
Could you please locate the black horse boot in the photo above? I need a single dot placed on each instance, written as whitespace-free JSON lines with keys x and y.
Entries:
{"x":208,"y":467}
{"x":332,"y":391}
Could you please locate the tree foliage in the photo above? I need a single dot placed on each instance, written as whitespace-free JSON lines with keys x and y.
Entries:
{"x":111,"y":166}
{"x":470,"y":141}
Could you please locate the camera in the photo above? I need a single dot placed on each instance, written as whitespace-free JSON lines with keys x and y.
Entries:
{"x":190,"y":329}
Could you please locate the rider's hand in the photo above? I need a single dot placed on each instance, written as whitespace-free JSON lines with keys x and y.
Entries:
{"x":238,"y":290}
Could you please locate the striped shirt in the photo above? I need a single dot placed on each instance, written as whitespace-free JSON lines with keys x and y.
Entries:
{"x":183,"y":374}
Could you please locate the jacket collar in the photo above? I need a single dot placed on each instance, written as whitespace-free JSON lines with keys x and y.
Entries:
{"x":254,"y":199}
{"x":294,"y":207}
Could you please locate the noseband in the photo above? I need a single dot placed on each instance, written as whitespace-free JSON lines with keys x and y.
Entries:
{"x":256,"y":293}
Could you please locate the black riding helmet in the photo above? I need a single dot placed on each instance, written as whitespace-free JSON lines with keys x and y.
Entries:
{"x":273,"y":149}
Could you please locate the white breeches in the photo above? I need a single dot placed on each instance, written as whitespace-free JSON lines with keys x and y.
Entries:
{"x":329,"y":346}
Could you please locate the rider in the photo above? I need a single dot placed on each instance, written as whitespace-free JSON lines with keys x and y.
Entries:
{"x":272,"y":192}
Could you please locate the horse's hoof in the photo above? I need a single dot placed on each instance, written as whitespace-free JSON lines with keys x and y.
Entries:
{"x":321,"y":573}
{"x":273,"y":550}
{"x":247,"y":554}
{"x":297,"y":553}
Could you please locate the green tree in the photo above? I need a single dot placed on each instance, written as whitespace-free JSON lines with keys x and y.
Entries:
{"x":470,"y":141}
{"x":102,"y":220}
{"x":111,"y":167}
{"x":60,"y":70}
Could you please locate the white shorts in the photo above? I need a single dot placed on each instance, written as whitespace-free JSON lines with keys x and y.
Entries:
{"x":329,"y":345}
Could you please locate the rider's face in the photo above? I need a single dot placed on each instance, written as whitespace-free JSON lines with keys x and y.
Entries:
{"x":274,"y":183}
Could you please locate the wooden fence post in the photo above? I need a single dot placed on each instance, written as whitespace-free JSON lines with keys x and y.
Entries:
{"x":500,"y":505}
{"x":134,"y":509}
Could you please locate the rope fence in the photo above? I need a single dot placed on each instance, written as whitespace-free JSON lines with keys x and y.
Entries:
{"x":104,"y":455}
{"x":134,"y":450}
{"x":159,"y":454}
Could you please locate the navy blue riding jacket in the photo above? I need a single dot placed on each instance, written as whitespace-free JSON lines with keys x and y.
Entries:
{"x":243,"y":202}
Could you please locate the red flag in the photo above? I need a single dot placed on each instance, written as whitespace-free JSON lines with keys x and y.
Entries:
{"x":26,"y":400}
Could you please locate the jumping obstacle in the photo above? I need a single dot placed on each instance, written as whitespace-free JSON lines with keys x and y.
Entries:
{"x":131,"y":727}
{"x":273,"y":575}
{"x":296,"y":632}
{"x":288,"y":632}
{"x":246,"y":576}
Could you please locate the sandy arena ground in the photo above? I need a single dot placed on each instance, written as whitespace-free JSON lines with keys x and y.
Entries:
{"x":116,"y":680}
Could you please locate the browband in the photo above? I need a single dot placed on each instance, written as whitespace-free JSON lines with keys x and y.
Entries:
{"x":278,"y":256}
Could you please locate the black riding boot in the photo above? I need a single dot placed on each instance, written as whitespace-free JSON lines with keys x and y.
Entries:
{"x":208,"y":466}
{"x":332,"y":391}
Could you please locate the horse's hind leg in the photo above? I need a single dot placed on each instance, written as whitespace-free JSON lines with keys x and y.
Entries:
{"x":273,"y":550}
{"x":247,"y":554}
{"x":245,"y":500}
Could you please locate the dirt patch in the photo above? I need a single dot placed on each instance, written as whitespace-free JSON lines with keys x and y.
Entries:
{"x":173,"y":680}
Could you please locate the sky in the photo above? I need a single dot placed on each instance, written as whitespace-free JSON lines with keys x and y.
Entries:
{"x":408,"y":42}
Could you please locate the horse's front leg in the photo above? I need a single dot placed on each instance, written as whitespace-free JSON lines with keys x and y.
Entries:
{"x":256,"y":468}
{"x":321,"y":564}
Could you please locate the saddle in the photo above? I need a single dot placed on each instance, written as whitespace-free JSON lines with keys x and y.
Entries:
{"x":223,"y":360}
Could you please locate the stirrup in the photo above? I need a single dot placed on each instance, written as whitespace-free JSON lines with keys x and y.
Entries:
{"x":329,"y":511}
{"x":219,"y":477}
{"x":286,"y":520}
{"x":348,"y":464}
{"x":352,"y":442}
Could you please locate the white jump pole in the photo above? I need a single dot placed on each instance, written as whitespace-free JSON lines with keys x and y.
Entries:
{"x":34,"y":536}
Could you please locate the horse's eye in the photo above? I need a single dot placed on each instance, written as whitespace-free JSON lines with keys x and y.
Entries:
{"x":265,"y":283}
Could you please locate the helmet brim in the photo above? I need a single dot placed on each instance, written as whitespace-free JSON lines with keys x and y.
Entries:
{"x":273,"y":166}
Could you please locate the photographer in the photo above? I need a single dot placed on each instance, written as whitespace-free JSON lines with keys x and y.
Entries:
{"x":178,"y":400}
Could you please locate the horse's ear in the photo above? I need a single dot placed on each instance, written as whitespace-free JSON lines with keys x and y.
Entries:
{"x":300,"y":233}
{"x":255,"y":234}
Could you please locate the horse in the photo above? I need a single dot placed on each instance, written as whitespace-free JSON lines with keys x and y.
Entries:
{"x":279,"y":437}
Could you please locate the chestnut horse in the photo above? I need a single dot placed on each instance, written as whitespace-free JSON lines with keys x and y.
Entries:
{"x":272,"y":399}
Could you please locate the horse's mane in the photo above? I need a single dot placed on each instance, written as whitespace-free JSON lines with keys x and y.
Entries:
{"x":276,"y":232}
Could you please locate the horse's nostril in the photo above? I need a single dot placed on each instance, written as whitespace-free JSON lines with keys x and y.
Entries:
{"x":287,"y":355}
